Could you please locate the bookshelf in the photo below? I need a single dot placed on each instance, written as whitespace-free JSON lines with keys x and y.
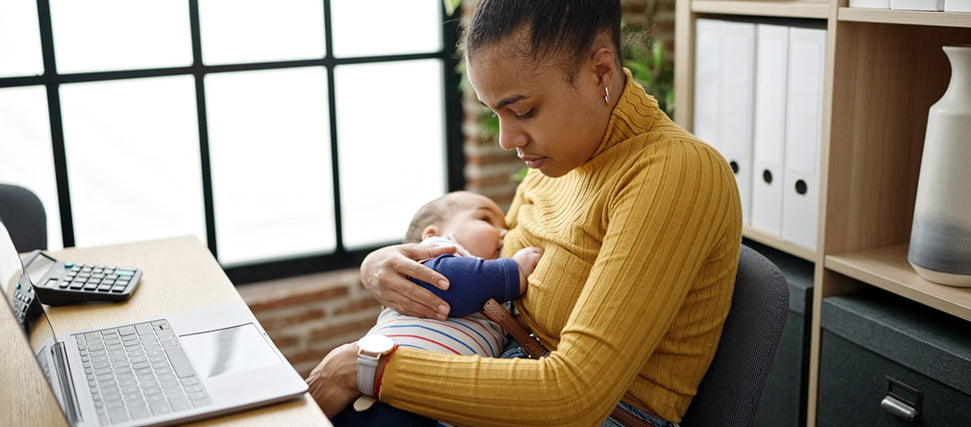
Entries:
{"x":884,"y":69}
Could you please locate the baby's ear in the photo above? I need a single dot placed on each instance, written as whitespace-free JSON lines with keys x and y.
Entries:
{"x":430,"y":231}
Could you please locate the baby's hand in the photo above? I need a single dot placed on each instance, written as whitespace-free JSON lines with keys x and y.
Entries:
{"x":527,"y":259}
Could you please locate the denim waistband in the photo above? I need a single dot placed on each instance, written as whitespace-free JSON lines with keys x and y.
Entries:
{"x":513,"y":351}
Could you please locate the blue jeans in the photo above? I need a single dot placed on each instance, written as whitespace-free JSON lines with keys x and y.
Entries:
{"x":380,"y":414}
{"x":514,"y":351}
{"x":655,"y":421}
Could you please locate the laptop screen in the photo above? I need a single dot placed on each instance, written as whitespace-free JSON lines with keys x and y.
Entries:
{"x":18,"y":292}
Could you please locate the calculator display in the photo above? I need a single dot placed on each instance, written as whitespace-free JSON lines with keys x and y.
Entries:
{"x":38,"y":267}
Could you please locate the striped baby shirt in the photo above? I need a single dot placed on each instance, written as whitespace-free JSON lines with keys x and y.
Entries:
{"x":470,"y":332}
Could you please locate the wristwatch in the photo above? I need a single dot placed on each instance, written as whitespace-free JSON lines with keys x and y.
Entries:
{"x":371,"y":349}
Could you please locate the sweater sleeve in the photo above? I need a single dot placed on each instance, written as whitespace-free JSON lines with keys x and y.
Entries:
{"x":473,"y":281}
{"x":662,"y":225}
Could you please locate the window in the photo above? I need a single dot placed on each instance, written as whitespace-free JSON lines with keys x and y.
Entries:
{"x":291,"y":136}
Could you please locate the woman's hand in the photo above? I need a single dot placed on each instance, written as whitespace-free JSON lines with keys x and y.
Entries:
{"x":385,"y":274}
{"x":333,"y":383}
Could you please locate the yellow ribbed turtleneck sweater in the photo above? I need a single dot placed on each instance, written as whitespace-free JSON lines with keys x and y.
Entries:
{"x":640,"y":250}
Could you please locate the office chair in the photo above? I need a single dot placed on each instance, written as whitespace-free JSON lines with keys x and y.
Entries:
{"x":23,"y":214}
{"x":730,"y":391}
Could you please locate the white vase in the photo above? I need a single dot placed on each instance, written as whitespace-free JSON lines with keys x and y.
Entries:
{"x":940,"y":239}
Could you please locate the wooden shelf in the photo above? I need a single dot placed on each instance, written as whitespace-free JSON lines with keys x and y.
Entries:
{"x":873,"y":126}
{"x":887,"y":268}
{"x":905,"y":17}
{"x":786,"y":9}
{"x":776,"y":242}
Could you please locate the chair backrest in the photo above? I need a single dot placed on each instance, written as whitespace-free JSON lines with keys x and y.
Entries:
{"x":23,"y":214}
{"x":730,"y":391}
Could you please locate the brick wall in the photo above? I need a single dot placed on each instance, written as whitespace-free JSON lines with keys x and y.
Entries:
{"x":310,"y":315}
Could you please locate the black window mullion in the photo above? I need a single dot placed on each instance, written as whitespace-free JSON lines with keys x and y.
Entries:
{"x":198,"y":73}
{"x":52,"y":84}
{"x":454,"y":154}
{"x":330,"y":64}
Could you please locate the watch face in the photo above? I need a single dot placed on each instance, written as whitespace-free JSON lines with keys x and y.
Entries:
{"x":375,"y":344}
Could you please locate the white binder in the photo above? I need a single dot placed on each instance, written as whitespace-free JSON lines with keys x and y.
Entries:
{"x":707,"y":97}
{"x":804,"y":113}
{"x":768,"y":172}
{"x":924,"y":5}
{"x":736,"y":114}
{"x":870,"y":4}
{"x":957,"y":5}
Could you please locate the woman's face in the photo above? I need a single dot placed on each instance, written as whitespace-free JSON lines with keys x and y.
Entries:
{"x":553,"y":126}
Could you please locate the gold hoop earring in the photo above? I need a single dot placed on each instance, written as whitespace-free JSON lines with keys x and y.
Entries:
{"x":606,"y":96}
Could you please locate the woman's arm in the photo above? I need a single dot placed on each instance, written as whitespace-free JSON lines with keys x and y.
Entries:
{"x":385,"y":273}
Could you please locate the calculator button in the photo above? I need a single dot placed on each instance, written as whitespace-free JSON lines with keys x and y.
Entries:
{"x":76,"y":285}
{"x":123,"y":272}
{"x":63,"y":284}
{"x":90,"y":286}
{"x":118,"y":289}
{"x":51,"y":283}
{"x":68,"y":264}
{"x":104,"y":287}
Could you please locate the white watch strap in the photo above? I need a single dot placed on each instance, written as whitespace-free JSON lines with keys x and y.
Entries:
{"x":366,"y":366}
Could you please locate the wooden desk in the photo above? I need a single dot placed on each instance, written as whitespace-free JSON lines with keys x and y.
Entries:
{"x":180,"y":274}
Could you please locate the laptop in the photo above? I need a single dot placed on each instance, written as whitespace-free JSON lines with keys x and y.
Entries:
{"x":180,"y":367}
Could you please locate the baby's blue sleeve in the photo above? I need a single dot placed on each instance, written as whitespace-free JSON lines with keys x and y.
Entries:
{"x":472,"y":281}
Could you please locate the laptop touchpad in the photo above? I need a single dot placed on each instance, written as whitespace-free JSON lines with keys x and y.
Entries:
{"x":228,"y":351}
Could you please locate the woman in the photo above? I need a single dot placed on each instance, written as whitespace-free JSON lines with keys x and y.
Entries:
{"x":639,"y":221}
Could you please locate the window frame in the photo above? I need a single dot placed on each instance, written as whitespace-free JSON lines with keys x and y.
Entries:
{"x":267,"y":269}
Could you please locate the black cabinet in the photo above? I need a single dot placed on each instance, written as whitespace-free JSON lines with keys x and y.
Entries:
{"x":887,"y":361}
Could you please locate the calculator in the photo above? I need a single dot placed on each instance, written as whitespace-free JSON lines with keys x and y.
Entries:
{"x":25,"y":304}
{"x":59,"y":282}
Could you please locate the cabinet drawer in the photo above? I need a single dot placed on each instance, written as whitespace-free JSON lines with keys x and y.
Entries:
{"x":884,"y":359}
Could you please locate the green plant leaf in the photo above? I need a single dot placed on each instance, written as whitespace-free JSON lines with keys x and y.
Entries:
{"x":451,"y":5}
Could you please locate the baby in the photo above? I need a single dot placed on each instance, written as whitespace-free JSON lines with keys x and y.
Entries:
{"x":475,"y":225}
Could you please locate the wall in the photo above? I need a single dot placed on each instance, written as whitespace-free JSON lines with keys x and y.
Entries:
{"x":310,"y":315}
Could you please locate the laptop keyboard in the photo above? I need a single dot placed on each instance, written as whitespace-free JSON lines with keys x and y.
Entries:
{"x":138,"y":371}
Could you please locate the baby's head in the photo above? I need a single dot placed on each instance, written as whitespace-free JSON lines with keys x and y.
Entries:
{"x":476,"y":222}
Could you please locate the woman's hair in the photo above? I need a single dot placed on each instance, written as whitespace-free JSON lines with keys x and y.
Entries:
{"x":557,"y":29}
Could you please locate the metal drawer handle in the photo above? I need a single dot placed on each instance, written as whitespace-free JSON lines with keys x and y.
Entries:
{"x":898,"y":408}
{"x":901,"y":400}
